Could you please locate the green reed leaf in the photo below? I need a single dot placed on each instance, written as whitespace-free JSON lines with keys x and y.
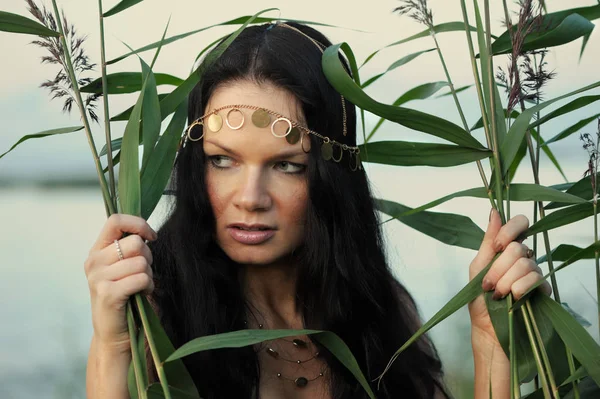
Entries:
{"x":534,"y":133}
{"x":124,"y":116}
{"x":128,"y":82}
{"x":236,"y":21}
{"x":517,"y":131}
{"x":151,"y":120}
{"x":158,"y":170}
{"x":577,"y":375}
{"x":562,"y":253}
{"x":573,"y":129}
{"x":561,"y":218}
{"x":441,"y":28}
{"x":572,"y":106}
{"x":131,"y":382}
{"x":588,"y":389}
{"x":575,"y":337}
{"x":404,"y":153}
{"x":420,"y":121}
{"x":45,"y":133}
{"x":462,"y":88}
{"x":241,"y":338}
{"x":467,"y":294}
{"x":404,"y":60}
{"x":123,"y":5}
{"x":513,"y":115}
{"x":170,"y":103}
{"x":177,"y":374}
{"x":129,"y":174}
{"x":581,"y":189}
{"x":554,"y":32}
{"x":451,"y":229}
{"x":420,"y":92}
{"x":15,"y":23}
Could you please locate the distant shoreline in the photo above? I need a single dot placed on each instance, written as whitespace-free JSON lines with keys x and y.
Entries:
{"x":50,"y":184}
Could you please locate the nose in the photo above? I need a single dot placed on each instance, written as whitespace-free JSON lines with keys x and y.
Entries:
{"x":253,"y":193}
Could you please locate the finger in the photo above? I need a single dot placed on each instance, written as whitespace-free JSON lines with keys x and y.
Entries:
{"x":486,"y":252}
{"x":131,"y":246}
{"x":521,"y":286}
{"x":505,"y":261}
{"x":119,"y":223}
{"x":510,"y":232}
{"x":133,"y":284}
{"x":520,"y":269}
{"x":122,"y":269}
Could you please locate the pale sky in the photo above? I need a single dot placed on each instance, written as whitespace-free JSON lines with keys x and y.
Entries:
{"x":25,"y":109}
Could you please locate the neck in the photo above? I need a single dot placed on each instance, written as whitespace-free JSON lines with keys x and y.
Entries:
{"x":271,"y":292}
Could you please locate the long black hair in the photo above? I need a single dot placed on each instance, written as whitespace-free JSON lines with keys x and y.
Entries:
{"x":344,"y":283}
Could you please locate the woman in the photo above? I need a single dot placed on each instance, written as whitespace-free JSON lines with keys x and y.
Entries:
{"x":274,"y":226}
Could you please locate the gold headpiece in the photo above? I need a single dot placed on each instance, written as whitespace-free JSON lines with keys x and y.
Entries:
{"x":261,"y":117}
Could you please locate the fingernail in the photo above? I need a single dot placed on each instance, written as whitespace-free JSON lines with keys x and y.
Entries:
{"x":487,"y":285}
{"x":497,"y":295}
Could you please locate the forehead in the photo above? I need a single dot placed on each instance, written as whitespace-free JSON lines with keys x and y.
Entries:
{"x":249,"y":137}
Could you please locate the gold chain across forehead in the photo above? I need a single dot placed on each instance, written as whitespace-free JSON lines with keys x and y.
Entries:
{"x":261,"y":118}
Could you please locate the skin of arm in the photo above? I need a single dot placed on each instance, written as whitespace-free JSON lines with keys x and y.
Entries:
{"x":107,"y":367}
{"x":491,"y":366}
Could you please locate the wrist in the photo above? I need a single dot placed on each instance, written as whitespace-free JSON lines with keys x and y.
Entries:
{"x":486,"y":348}
{"x":118,"y":347}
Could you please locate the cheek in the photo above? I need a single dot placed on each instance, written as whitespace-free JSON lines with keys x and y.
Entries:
{"x":298,"y":205}
{"x":215,"y":195}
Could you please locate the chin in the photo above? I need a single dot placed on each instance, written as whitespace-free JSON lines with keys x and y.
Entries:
{"x":254,"y":254}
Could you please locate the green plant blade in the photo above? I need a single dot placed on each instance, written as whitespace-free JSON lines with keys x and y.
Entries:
{"x":404,"y":60}
{"x":460,"y":89}
{"x":448,"y":228}
{"x":158,"y":170}
{"x":573,"y":129}
{"x":129,"y":173}
{"x":420,"y":92}
{"x":548,"y":152}
{"x":572,"y":106}
{"x":581,"y":189}
{"x":176,"y":372}
{"x":241,"y":338}
{"x":517,"y":131}
{"x":124,"y":116}
{"x":467,"y":294}
{"x":170,"y":103}
{"x":441,"y":28}
{"x":404,"y":153}
{"x":577,"y":375}
{"x":513,"y":115}
{"x":588,"y":389}
{"x":563,"y":252}
{"x":15,"y":23}
{"x":128,"y":82}
{"x":561,"y":218}
{"x":151,"y":117}
{"x":131,"y":383}
{"x":575,"y":337}
{"x":420,"y":121}
{"x":570,"y":28}
{"x":40,"y":135}
{"x":123,"y":5}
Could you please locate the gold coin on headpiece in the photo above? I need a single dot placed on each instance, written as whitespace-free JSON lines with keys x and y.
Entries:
{"x":327,"y":151}
{"x":215,"y":122}
{"x":261,"y":118}
{"x":293,"y":136}
{"x":339,"y":158}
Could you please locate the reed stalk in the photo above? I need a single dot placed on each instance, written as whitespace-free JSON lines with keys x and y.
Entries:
{"x":111,"y":171}
{"x":545,"y":359}
{"x":515,"y":392}
{"x":135,"y":356}
{"x":536,"y":355}
{"x":86,"y":124}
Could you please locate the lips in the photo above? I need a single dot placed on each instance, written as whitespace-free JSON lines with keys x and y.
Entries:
{"x":250,"y":234}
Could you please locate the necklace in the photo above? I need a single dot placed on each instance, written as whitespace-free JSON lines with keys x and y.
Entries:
{"x":300,"y":345}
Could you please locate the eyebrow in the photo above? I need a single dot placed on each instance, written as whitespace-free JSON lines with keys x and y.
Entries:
{"x":284,"y":154}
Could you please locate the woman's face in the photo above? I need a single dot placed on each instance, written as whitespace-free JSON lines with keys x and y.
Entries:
{"x":255,"y":178}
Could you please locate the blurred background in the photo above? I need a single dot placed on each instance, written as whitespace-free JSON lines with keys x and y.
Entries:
{"x":51,"y":208}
